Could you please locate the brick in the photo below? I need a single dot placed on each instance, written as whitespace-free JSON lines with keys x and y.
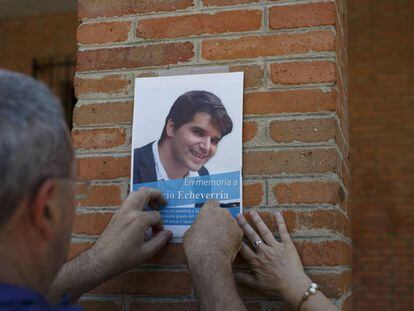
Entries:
{"x":347,"y":304}
{"x":104,"y":138}
{"x":104,"y":167}
{"x":342,"y":67}
{"x":295,"y":101}
{"x":226,"y":2}
{"x":300,"y":222}
{"x":102,"y":195}
{"x":171,"y":254}
{"x":333,"y":285}
{"x":307,"y":131}
{"x":200,"y":24}
{"x":290,"y":162}
{"x":135,"y":57}
{"x":325,"y":253}
{"x":146,"y":74}
{"x":302,"y":15}
{"x":343,"y":145}
{"x":309,"y":192}
{"x":342,"y":109}
{"x":303,"y":72}
{"x":91,"y":223}
{"x":81,"y":190}
{"x":76,"y":248}
{"x":271,"y":45}
{"x":249,"y":130}
{"x":253,"y":75}
{"x":150,"y":283}
{"x":346,"y":174}
{"x":107,"y":8}
{"x":103,"y":113}
{"x":100,"y":33}
{"x":94,"y":305}
{"x":253,"y":194}
{"x":164,"y":306}
{"x":105,"y":85}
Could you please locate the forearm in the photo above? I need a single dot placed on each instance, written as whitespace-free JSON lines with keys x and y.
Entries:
{"x":214,"y":284}
{"x":78,"y":276}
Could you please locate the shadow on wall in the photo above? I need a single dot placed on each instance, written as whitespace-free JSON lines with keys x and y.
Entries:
{"x":381,"y":117}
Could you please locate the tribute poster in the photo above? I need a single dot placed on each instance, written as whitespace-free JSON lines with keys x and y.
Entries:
{"x":187,"y":142}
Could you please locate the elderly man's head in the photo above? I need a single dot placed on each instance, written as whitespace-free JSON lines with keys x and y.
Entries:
{"x":36,"y":167}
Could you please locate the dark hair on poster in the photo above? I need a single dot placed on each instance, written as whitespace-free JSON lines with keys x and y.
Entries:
{"x":193,"y":102}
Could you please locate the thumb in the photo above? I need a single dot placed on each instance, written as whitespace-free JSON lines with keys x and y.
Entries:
{"x":246,"y":279}
{"x":157,"y":242}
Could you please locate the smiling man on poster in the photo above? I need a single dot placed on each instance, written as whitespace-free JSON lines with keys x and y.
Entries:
{"x":196,"y":123}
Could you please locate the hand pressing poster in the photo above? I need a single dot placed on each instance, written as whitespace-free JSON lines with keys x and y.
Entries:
{"x":187,"y":142}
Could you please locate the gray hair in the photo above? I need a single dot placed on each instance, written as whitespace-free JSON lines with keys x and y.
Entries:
{"x":34,"y":140}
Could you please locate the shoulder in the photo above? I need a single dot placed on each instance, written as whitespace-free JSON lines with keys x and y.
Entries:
{"x":144,"y":153}
{"x":144,"y":164}
{"x":144,"y":149}
{"x":18,"y":298}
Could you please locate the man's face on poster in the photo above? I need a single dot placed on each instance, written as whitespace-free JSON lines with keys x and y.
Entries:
{"x":195,"y":142}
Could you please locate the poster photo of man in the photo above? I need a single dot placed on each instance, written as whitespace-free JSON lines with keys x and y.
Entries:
{"x":186,"y":141}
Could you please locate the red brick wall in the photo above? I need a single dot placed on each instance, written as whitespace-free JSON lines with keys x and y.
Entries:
{"x":381,"y":53}
{"x":295,"y":127}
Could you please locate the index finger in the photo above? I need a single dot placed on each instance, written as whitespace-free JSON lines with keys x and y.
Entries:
{"x":281,"y":225}
{"x":155,"y":199}
{"x":144,"y":196}
{"x":151,"y":197}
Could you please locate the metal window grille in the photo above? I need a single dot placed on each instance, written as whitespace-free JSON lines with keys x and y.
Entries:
{"x":58,"y":74}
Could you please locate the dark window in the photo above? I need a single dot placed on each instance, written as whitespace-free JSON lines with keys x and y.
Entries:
{"x":58,"y":74}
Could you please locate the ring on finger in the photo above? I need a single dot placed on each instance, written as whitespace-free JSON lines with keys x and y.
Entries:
{"x":256,"y":243}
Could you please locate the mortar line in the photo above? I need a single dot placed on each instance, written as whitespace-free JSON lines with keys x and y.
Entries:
{"x":195,"y":9}
{"x":260,"y":89}
{"x":315,"y":56}
{"x":126,"y":150}
{"x":265,"y":19}
{"x":223,"y":62}
{"x":197,"y":50}
{"x":223,"y":36}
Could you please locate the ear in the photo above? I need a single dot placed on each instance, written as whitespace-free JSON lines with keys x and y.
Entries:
{"x":170,"y":128}
{"x":41,"y":213}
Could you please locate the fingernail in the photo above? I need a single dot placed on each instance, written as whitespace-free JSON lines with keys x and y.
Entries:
{"x":252,"y":213}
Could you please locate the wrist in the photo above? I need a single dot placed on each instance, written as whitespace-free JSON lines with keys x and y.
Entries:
{"x":214,"y":283}
{"x":199,"y":254}
{"x":294,"y":290}
{"x":99,"y":260}
{"x":200,"y":262}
